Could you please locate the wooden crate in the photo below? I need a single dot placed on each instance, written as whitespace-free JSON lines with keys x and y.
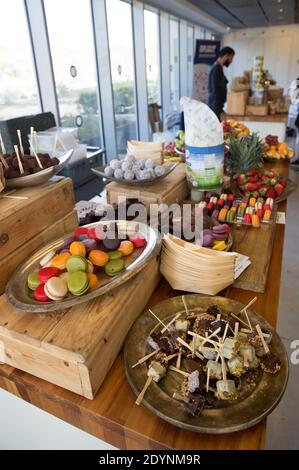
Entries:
{"x":23,"y":219}
{"x":257,"y":109}
{"x":171,"y":189}
{"x":9,"y":263}
{"x":236,"y":102}
{"x":75,"y":348}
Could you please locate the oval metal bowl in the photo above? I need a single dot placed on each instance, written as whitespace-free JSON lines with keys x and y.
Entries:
{"x":100,"y":171}
{"x":42,"y":176}
{"x":20,"y":296}
{"x":254,"y":403}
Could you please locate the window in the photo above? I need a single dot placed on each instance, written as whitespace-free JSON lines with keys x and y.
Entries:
{"x":152,"y":52}
{"x":72,"y":49}
{"x":199,"y":33}
{"x":18,"y":86}
{"x":190,"y":52}
{"x":119,"y":20}
{"x":174,"y":61}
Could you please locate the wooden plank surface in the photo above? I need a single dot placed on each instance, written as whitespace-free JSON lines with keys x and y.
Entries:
{"x":23,"y":219}
{"x":113,"y":416}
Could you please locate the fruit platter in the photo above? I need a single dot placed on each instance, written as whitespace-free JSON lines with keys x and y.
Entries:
{"x":134,"y":172}
{"x":226,"y":208}
{"x":206,"y":364}
{"x":87,"y":263}
{"x":263,"y":183}
{"x":276,"y":150}
{"x":235,"y":128}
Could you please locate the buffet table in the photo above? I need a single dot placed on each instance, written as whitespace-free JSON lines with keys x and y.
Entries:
{"x":275,"y":124}
{"x":113,"y":416}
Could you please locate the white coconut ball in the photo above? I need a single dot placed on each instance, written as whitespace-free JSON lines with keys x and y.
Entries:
{"x":151,"y":172}
{"x":118,"y":174}
{"x":129,"y":175}
{"x":109,"y":171}
{"x":145,"y":175}
{"x":149,"y":164}
{"x":130,"y":158}
{"x":159,"y":170}
{"x":115,"y":164}
{"x":126,"y":166}
{"x":141,"y":164}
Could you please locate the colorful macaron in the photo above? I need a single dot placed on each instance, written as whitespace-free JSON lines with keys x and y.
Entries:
{"x":40,"y":295}
{"x":45,"y":274}
{"x":56,"y":288}
{"x":114,"y":267}
{"x":76,"y":263}
{"x":78,"y":248}
{"x":78,"y":283}
{"x":59,"y":261}
{"x":33,"y":281}
{"x":138,"y":240}
{"x":98,"y":257}
{"x":126,"y":247}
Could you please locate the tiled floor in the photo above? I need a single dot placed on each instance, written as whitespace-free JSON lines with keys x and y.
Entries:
{"x":283,"y":423}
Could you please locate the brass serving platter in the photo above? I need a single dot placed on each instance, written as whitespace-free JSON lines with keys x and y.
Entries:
{"x":42,"y":176}
{"x":100,"y":171}
{"x":20,"y":296}
{"x":254,"y":404}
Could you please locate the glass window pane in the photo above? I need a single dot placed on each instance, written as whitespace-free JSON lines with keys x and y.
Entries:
{"x":119,"y":19}
{"x":18,"y":86}
{"x":73,"y":56}
{"x":190,"y":52}
{"x":174,"y":61}
{"x":152,"y":51}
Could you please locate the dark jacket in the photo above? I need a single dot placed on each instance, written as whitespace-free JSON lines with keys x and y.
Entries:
{"x":217,"y":85}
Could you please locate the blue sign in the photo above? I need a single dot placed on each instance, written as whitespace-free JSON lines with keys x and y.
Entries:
{"x":206,"y":53}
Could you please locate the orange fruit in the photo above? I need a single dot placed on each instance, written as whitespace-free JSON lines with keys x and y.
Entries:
{"x":78,"y":248}
{"x":93,"y":281}
{"x":98,"y":257}
{"x":59,"y":261}
{"x":126,"y":247}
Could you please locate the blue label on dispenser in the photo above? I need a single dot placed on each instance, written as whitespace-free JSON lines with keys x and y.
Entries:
{"x":204,"y":166}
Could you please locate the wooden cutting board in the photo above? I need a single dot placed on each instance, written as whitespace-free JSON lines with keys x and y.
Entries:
{"x":75,"y":348}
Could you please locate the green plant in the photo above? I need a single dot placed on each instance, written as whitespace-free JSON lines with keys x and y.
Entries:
{"x":245,"y":153}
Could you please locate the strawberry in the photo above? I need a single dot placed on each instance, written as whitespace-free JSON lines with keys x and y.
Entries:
{"x":283,"y":183}
{"x":263,"y":190}
{"x":271,"y":193}
{"x":278,"y":189}
{"x":242,"y":179}
{"x":252,"y":172}
{"x":253,"y":179}
{"x":273,"y":181}
{"x":251,"y":187}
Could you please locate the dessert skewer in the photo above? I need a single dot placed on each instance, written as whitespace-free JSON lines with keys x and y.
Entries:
{"x":19,"y":160}
{"x":20,"y":142}
{"x":157,"y":318}
{"x":166,"y":327}
{"x":145,"y":358}
{"x":269,"y":362}
{"x":142,"y":393}
{"x":35,"y":155}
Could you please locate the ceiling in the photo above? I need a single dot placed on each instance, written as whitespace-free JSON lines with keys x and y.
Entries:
{"x":251,"y":13}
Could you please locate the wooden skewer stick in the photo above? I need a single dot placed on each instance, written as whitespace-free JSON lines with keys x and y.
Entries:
{"x":185,"y":305}
{"x":19,"y":160}
{"x":21,"y":198}
{"x":3,"y":162}
{"x":171,"y":322}
{"x":20,"y":142}
{"x":208,"y":380}
{"x":248,"y":320}
{"x":3,"y":149}
{"x":236,"y":330}
{"x":222,"y":340}
{"x":179,"y":371}
{"x":168,"y":358}
{"x":178,"y":361}
{"x":180,"y":340}
{"x":239,"y":319}
{"x":160,"y":321}
{"x":223,"y":366}
{"x":260,"y":333}
{"x":145,"y":358}
{"x":142,"y":393}
{"x":31,"y":139}
{"x":246,"y":330}
{"x":207,"y":339}
{"x":248,"y":305}
{"x":35,"y":155}
{"x":218,"y":316}
{"x":36,"y":141}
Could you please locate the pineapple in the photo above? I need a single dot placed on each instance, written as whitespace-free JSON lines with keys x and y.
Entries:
{"x":245,"y":153}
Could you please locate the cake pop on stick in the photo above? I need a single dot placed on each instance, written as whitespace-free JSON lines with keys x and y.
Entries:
{"x":180,"y":340}
{"x":35,"y":155}
{"x":269,"y":362}
{"x":3,"y":149}
{"x":19,"y":159}
{"x":20,"y":142}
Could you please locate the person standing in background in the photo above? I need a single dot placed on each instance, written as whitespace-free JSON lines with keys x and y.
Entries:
{"x":218,"y":81}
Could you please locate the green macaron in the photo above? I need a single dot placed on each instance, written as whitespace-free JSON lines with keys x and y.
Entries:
{"x":76,"y":263}
{"x":78,"y":283}
{"x":115,"y":255}
{"x":113,"y":267}
{"x":33,"y":281}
